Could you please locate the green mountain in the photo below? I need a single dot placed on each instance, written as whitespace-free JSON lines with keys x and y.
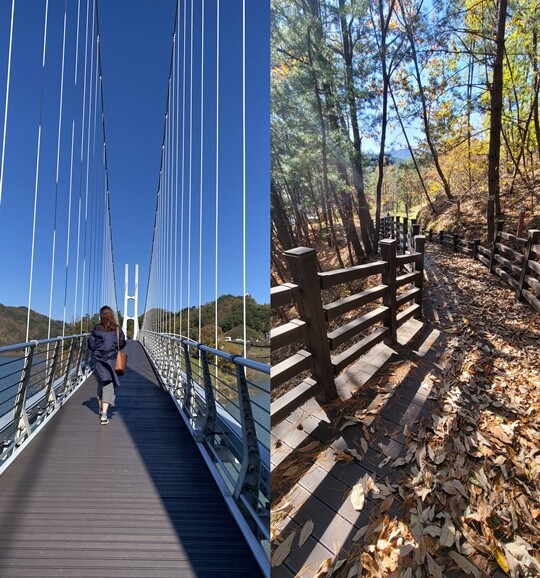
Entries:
{"x":13,"y":325}
{"x":230,"y":316}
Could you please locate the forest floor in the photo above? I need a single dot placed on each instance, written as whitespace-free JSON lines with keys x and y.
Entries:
{"x":464,"y":495}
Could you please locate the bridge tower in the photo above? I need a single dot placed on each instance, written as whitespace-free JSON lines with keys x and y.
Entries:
{"x":136,"y":301}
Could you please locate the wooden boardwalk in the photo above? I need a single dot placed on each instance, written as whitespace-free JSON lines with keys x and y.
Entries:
{"x":311,"y":459}
{"x":130,"y":499}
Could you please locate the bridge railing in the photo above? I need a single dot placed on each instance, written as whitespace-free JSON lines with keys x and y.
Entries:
{"x":35,"y":379}
{"x":224,"y":399}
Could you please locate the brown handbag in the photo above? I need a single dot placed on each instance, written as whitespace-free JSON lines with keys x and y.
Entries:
{"x":121,"y":357}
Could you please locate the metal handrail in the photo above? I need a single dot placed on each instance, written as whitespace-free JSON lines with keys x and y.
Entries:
{"x":235,"y":444}
{"x":47,"y":378}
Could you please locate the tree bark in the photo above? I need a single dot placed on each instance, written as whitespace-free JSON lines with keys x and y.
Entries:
{"x":384,"y":23}
{"x":425,"y":119}
{"x":494,"y":154}
{"x":280,"y":218}
{"x":366,"y":222}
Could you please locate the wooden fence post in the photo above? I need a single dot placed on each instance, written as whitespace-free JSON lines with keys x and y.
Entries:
{"x":431,"y":235}
{"x":455,"y":238}
{"x":521,"y":222}
{"x":303,"y":266}
{"x":388,"y":249}
{"x":533,"y":238}
{"x":475,"y":244}
{"x":420,"y":246}
{"x":441,"y":237}
{"x":415,"y":233}
{"x":498,"y":229}
{"x":405,"y":233}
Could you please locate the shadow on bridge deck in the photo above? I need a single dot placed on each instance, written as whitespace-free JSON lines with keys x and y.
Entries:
{"x":133,"y":498}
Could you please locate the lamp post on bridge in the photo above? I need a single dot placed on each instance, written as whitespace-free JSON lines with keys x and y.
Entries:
{"x":135,"y":299}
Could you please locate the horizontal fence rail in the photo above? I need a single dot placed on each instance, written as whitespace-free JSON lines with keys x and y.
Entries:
{"x":324,"y":336}
{"x":224,"y":399}
{"x":35,"y":379}
{"x":516,"y":260}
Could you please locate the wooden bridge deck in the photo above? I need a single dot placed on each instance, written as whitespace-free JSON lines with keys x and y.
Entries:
{"x":131,"y":499}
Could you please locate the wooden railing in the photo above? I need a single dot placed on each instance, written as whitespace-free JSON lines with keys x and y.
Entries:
{"x":391,"y":295}
{"x":516,"y":260}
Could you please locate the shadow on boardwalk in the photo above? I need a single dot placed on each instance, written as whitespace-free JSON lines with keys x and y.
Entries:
{"x":410,"y":428}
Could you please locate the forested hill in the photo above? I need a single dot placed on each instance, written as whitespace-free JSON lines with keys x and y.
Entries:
{"x":13,"y":325}
{"x":230,"y":318}
{"x":394,"y":106}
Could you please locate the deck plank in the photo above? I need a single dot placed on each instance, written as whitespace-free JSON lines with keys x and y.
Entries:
{"x":132,"y":498}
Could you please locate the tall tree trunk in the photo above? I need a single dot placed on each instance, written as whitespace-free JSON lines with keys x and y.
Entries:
{"x":425,"y":117}
{"x":537,"y":86}
{"x":280,"y":218}
{"x":384,"y":23}
{"x":470,"y":79}
{"x":322,"y":124}
{"x":413,"y":156}
{"x":366,"y":222}
{"x":495,"y":123}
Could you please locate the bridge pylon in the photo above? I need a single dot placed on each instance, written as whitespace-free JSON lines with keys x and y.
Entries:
{"x":135,"y":298}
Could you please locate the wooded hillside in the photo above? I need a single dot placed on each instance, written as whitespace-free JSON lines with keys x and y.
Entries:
{"x":456,"y":83}
{"x":13,"y":325}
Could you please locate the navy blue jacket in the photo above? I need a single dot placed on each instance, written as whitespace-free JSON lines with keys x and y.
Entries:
{"x":104,"y":347}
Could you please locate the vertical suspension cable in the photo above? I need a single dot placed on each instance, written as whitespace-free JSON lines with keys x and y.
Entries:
{"x":190,"y":171}
{"x":38,"y":154}
{"x":183,"y":169}
{"x":201,"y":172}
{"x":81,"y":157}
{"x":108,"y":241}
{"x":58,"y":140}
{"x":172,"y":214}
{"x":87,"y":167}
{"x":92,"y":270}
{"x":7,"y":99}
{"x":217,"y":178}
{"x":177,"y":137}
{"x":68,"y":244}
{"x":244,"y":167}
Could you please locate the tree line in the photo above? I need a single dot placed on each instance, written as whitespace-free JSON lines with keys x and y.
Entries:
{"x":458,"y":80}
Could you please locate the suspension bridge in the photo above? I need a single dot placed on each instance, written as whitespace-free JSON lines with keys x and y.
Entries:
{"x":178,"y":483}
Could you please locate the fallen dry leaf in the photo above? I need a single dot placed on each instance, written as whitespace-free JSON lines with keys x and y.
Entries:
{"x":307,"y":529}
{"x":283,"y":550}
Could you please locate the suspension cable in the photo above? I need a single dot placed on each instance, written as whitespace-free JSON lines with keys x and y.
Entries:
{"x":87,"y":167}
{"x":68,"y":243}
{"x":59,"y":140}
{"x":44,"y":53}
{"x":201,"y":173}
{"x":183,"y":169}
{"x":110,"y":254}
{"x":83,"y":126}
{"x":7,"y":99}
{"x":190,"y":172}
{"x":244,"y":168}
{"x":217,"y":174}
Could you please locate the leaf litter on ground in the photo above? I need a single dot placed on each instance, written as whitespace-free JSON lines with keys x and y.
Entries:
{"x":470,"y":495}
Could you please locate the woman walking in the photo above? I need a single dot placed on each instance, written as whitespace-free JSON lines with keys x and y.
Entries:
{"x":105,"y":341}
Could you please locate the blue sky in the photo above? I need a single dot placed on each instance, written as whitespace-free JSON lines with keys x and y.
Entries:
{"x":136,"y":42}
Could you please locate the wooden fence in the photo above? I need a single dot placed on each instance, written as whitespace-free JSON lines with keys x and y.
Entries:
{"x":392,"y":294}
{"x":516,"y":260}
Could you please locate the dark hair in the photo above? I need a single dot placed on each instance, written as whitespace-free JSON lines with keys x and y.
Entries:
{"x":108,"y":319}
